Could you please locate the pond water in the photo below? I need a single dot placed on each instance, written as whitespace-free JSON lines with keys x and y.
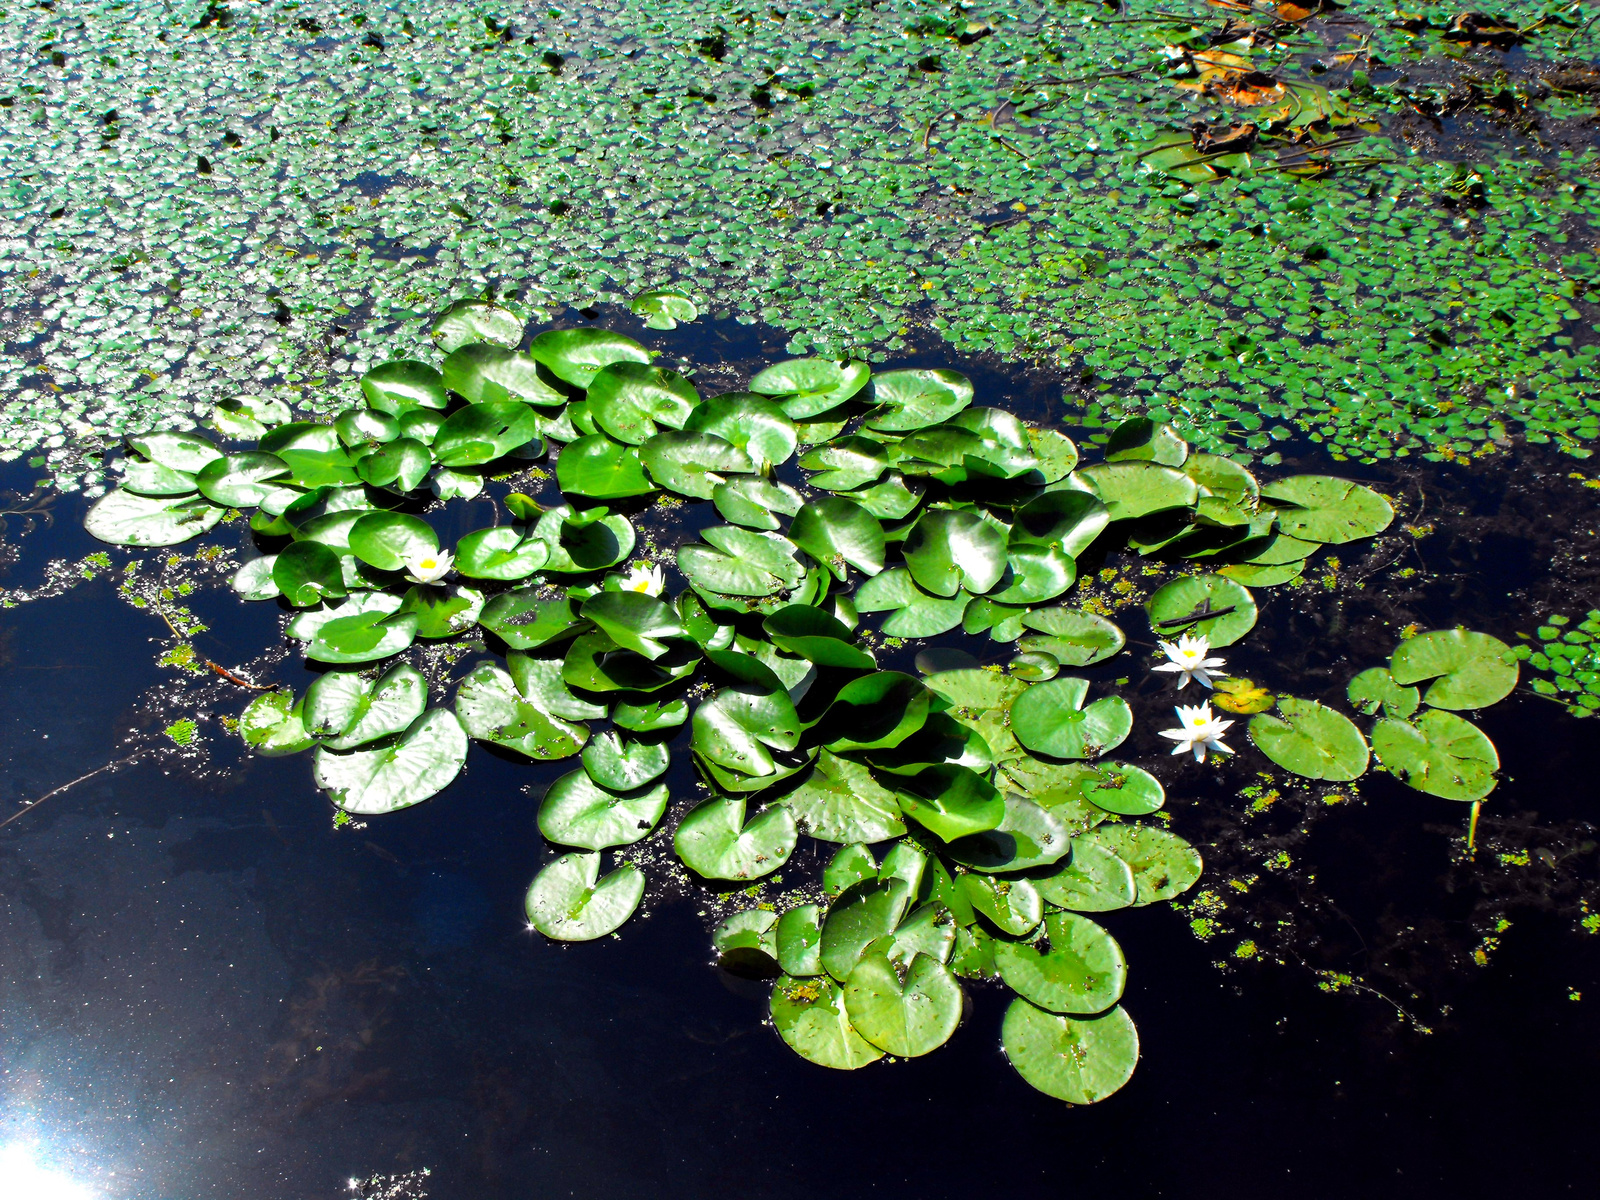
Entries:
{"x":207,"y":990}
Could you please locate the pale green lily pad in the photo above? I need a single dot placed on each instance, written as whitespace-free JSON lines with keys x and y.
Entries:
{"x":1164,"y":865}
{"x":1376,"y":686}
{"x":623,"y":764}
{"x":126,"y":519}
{"x":1139,"y":439}
{"x":809,"y":1014}
{"x":1469,"y":670}
{"x":577,"y":811}
{"x":693,"y":464}
{"x":273,"y":724}
{"x":1137,"y":489}
{"x":1076,"y":1059}
{"x":492,"y":709}
{"x":715,"y":841}
{"x":632,"y":400}
{"x":799,"y":937}
{"x":348,"y":710}
{"x":840,"y":801}
{"x":1083,"y":972}
{"x":1439,"y":753}
{"x":1014,"y":905}
{"x":836,"y":532}
{"x":1311,"y":739}
{"x":917,"y":397}
{"x":420,"y":764}
{"x":1320,"y":508}
{"x":576,"y":356}
{"x":905,"y":1017}
{"x":476,"y":321}
{"x":1073,"y":637}
{"x":915,"y":613}
{"x":1096,"y":880}
{"x":750,"y":422}
{"x":1174,"y":603}
{"x":663,"y":308}
{"x":568,"y":901}
{"x":1051,"y":718}
{"x":863,"y":913}
{"x":951,"y":550}
{"x":1028,"y":836}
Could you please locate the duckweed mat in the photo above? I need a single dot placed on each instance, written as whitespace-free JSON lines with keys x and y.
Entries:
{"x":1369,"y":226}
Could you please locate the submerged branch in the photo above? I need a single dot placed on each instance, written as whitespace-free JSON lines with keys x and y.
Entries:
{"x":110,"y":766}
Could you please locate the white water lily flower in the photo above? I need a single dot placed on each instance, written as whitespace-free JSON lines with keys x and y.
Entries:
{"x":648,"y":580}
{"x":1199,"y":731}
{"x":1187,"y":656}
{"x":429,"y":568}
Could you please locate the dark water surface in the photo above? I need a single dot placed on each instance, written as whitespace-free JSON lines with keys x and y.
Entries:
{"x":208,"y":992}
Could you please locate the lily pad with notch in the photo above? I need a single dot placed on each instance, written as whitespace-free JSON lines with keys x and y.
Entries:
{"x":715,"y":841}
{"x":568,"y":901}
{"x":577,"y":811}
{"x":416,"y":766}
{"x":1051,"y":718}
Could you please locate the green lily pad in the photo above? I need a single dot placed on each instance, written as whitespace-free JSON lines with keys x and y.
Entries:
{"x":632,"y":400}
{"x":1439,"y":753}
{"x":568,"y":901}
{"x":1175,"y":603}
{"x":916,"y":398}
{"x":752,"y":501}
{"x":500,"y":553}
{"x":799,"y":936}
{"x":747,"y":943}
{"x":623,"y":764}
{"x":582,"y":541}
{"x":892,"y":498}
{"x":1014,"y":905}
{"x":1311,"y":739}
{"x":1096,"y":880}
{"x":601,"y":469}
{"x":836,"y":532}
{"x":817,"y":636}
{"x":1036,"y":574}
{"x":1112,"y":787}
{"x":753,"y":423}
{"x":306,"y":573}
{"x":401,"y":465}
{"x":874,"y":712}
{"x":235,"y":481}
{"x":809,"y":387}
{"x":950,"y":801}
{"x":633,"y":620}
{"x":152,"y":479}
{"x":1082,"y":973}
{"x":422,"y":762}
{"x":481,"y":433}
{"x":402,"y":384}
{"x":1139,"y":439}
{"x":273,"y":724}
{"x":1076,"y":1059}
{"x":741,"y":562}
{"x":365,"y":628}
{"x":1469,"y":670}
{"x":1028,"y":836}
{"x":905,"y":1017}
{"x":476,"y":321}
{"x":576,"y":356}
{"x":1069,"y":520}
{"x":1137,"y":489}
{"x":189,"y":453}
{"x":578,"y":811}
{"x":482,"y":372}
{"x":597,"y":664}
{"x":861,"y":914}
{"x":693,"y":464}
{"x":1051,"y":718}
{"x":348,"y":710}
{"x":523,"y":621}
{"x":916,"y":613}
{"x":809,"y":1014}
{"x":663,"y":308}
{"x":492,"y":709}
{"x":845,"y":464}
{"x":840,"y":801}
{"x":1163,"y":864}
{"x":1376,"y":686}
{"x":1320,"y":508}
{"x":126,"y":519}
{"x":1072,"y":636}
{"x":388,"y":540}
{"x":849,"y":865}
{"x":715,"y":841}
{"x":950,"y":550}
{"x":443,"y":612}
{"x":736,"y":727}
{"x":646,"y":716}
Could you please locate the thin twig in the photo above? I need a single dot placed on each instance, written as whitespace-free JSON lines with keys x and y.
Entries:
{"x":110,"y":766}
{"x":1012,"y":148}
{"x":245,"y":683}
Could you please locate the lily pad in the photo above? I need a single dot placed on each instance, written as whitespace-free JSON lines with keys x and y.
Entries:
{"x":752,"y":501}
{"x":401,"y":384}
{"x":601,"y":469}
{"x":663,"y":308}
{"x":306,"y":573}
{"x":1376,"y":686}
{"x":576,"y":356}
{"x":715,"y":841}
{"x":1469,"y":670}
{"x":481,"y":372}
{"x":632,"y":400}
{"x":739,"y":726}
{"x":492,"y":709}
{"x":569,"y":901}
{"x":577,"y":811}
{"x":1439,"y":753}
{"x":1014,"y":905}
{"x":950,"y":550}
{"x":1082,"y":973}
{"x":840,"y":801}
{"x":1139,"y":439}
{"x":481,"y":433}
{"x":809,"y":1014}
{"x":1320,"y":508}
{"x":126,"y":519}
{"x":1028,"y":836}
{"x":274,"y":724}
{"x":1051,"y":718}
{"x":845,"y":464}
{"x":799,"y":937}
{"x":422,"y":762}
{"x":915,"y":613}
{"x":1137,"y":489}
{"x":693,"y":464}
{"x":753,"y":423}
{"x":476,"y":321}
{"x":581,"y":541}
{"x":1179,"y":607}
{"x":1096,"y":880}
{"x":523,"y":621}
{"x":836,"y":532}
{"x":1163,"y":864}
{"x":1081,"y":1060}
{"x":348,"y":710}
{"x":235,"y":481}
{"x":1311,"y":739}
{"x":500,"y":553}
{"x":741,"y":562}
{"x":905,"y":1017}
{"x":809,"y":387}
{"x":633,"y":620}
{"x":916,"y":398}
{"x":1069,"y":520}
{"x":388,"y":540}
{"x":862,"y":913}
{"x":1073,"y":637}
{"x":623,"y":764}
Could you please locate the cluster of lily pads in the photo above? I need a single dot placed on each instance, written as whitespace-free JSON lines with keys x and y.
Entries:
{"x":841,"y":492}
{"x":1568,"y":656}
